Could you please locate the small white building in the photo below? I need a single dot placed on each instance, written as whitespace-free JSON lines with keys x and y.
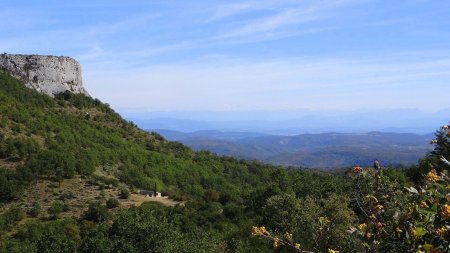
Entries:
{"x":149,"y":194}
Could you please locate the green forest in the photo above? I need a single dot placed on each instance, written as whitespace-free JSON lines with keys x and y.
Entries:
{"x":225,"y":204}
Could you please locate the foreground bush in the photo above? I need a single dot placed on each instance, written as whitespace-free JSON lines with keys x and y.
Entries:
{"x":392,"y":217}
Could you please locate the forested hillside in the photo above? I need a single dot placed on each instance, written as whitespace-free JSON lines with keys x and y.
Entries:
{"x":76,"y":138}
{"x":326,"y":150}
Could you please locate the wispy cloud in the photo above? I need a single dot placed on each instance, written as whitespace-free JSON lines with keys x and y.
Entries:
{"x":123,"y":24}
{"x":225,"y":11}
{"x":126,"y":36}
{"x":269,"y":24}
{"x":283,"y":21}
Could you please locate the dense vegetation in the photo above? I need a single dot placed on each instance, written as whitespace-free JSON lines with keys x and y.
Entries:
{"x":42,"y":138}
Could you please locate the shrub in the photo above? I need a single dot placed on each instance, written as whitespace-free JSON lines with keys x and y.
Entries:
{"x":35,"y":210}
{"x":58,"y":164}
{"x":96,"y":212}
{"x":112,"y":203}
{"x":67,"y":195}
{"x":124,"y":193}
{"x":10,"y":217}
{"x":10,"y":188}
{"x":17,"y":149}
{"x":391,"y":216}
{"x":56,"y":208}
{"x":412,"y":219}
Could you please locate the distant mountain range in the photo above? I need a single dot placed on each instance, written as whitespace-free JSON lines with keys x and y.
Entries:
{"x":293,"y":122}
{"x":326,"y":150}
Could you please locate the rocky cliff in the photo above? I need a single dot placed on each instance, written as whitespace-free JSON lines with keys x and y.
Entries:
{"x":48,"y":74}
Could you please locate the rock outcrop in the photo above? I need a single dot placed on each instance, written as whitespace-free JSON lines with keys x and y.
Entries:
{"x":48,"y":74}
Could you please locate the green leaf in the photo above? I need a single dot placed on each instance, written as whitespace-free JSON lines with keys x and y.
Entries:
{"x":407,"y":237}
{"x":435,"y":207}
{"x":427,"y":247}
{"x":419,"y":232}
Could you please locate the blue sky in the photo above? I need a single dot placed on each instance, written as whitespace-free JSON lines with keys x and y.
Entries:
{"x":144,"y":56}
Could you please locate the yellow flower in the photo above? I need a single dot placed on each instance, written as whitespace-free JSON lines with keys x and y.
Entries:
{"x":432,"y":176}
{"x":446,"y":211}
{"x":323,"y":220}
{"x":264,"y":231}
{"x":256,"y":231}
{"x":362,"y":227}
{"x":371,"y":198}
{"x":379,"y":208}
{"x":297,"y":246}
{"x":259,"y":231}
{"x":423,"y":204}
{"x":276,"y":243}
{"x":332,"y":251}
{"x":441,"y":231}
{"x":288,"y":236}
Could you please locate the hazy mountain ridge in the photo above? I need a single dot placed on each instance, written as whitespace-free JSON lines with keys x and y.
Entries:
{"x":294,"y":122}
{"x":310,"y":150}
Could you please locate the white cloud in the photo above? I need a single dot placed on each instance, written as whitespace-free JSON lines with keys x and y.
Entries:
{"x":279,"y":84}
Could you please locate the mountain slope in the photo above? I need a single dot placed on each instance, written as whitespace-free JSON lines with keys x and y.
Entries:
{"x":78,"y":156}
{"x":74,"y":134}
{"x":62,"y":158}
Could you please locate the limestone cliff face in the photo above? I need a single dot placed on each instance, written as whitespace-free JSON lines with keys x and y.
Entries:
{"x":48,"y":74}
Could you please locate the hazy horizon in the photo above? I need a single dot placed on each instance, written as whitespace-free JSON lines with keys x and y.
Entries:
{"x":291,"y":122}
{"x":260,"y":114}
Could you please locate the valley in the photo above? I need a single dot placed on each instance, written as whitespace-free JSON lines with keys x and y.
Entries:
{"x":327,"y":150}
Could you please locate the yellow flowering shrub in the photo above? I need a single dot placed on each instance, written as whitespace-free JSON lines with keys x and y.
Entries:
{"x":413,"y":219}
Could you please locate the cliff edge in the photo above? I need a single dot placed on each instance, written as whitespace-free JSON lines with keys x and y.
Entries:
{"x":48,"y":74}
